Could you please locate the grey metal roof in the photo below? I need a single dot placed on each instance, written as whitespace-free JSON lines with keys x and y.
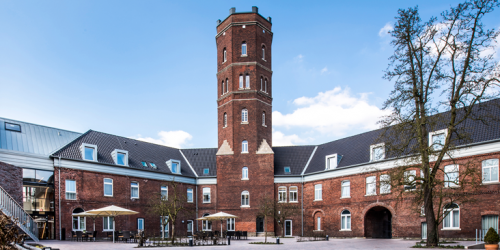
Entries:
{"x":295,"y":157}
{"x":33,"y":138}
{"x":201,"y":158}
{"x":138,"y":151}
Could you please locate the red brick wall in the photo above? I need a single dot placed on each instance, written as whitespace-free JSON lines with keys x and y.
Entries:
{"x":11,"y":179}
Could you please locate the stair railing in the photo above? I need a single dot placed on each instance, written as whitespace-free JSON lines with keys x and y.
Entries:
{"x":25,"y":222}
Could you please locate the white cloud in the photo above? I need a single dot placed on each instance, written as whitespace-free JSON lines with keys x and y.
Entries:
{"x":324,"y":70}
{"x":332,"y":112}
{"x":174,"y":139}
{"x":385,"y":30}
{"x":280,"y":139}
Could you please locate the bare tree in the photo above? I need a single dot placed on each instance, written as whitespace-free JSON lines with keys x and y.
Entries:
{"x":283,"y":211}
{"x":444,"y":73}
{"x":266,"y":209}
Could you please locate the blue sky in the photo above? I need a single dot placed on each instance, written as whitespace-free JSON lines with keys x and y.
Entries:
{"x":146,"y":69}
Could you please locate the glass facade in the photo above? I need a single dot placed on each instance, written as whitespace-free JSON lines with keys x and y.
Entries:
{"x":38,"y":200}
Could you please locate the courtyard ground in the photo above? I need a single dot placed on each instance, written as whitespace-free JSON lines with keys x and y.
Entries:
{"x":288,"y":244}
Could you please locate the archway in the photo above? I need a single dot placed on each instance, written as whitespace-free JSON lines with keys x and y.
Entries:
{"x":378,"y":223}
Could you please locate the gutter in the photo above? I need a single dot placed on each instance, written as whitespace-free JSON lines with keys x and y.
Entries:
{"x":302,"y":193}
{"x":59,"y":190}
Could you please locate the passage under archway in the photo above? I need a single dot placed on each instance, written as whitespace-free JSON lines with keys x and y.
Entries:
{"x":378,"y":223}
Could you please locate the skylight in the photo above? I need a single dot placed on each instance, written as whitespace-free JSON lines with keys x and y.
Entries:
{"x":206,"y":171}
{"x":144,"y":164}
{"x":152,"y":165}
{"x":13,"y":127}
{"x":287,"y":170}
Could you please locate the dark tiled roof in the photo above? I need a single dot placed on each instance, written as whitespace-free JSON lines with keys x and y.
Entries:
{"x":201,"y":158}
{"x":138,"y":151}
{"x":294,"y":157}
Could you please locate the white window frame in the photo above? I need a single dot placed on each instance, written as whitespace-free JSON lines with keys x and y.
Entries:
{"x":244,"y":116}
{"x":244,"y":147}
{"x":110,"y":224}
{"x":345,"y":185}
{"x":454,"y":168}
{"x":80,"y":220}
{"x":372,"y":147}
{"x":264,"y":119}
{"x":294,"y":194}
{"x":230,"y":224}
{"x":490,"y":169}
{"x":192,"y":226}
{"x":104,"y":183}
{"x":318,"y":192}
{"x":165,"y":230}
{"x":227,"y":85}
{"x":207,"y":190}
{"x":385,"y":188}
{"x":94,"y":154}
{"x":140,"y":221}
{"x":189,"y":191}
{"x":245,"y":199}
{"x":247,"y":81}
{"x":318,"y":223}
{"x":451,"y":215}
{"x":431,"y":141}
{"x":345,"y":218}
{"x":206,"y":225}
{"x":263,"y":53}
{"x":223,"y":85}
{"x":224,"y":55}
{"x":244,"y":173}
{"x":241,"y":82}
{"x":244,"y":49}
{"x":265,"y":85}
{"x":70,"y":192}
{"x":291,"y":228}
{"x":328,"y":162}
{"x":170,"y":163}
{"x":282,"y":194}
{"x":132,"y":187}
{"x":115,"y":153}
{"x":164,"y":188}
{"x":407,"y":175}
{"x":261,"y":83}
{"x":371,"y":185}
{"x":225,"y":120}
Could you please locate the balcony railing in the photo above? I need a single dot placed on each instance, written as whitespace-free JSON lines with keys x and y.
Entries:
{"x":11,"y":208}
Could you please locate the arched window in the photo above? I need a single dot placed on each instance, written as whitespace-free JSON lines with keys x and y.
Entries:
{"x":241,"y":81}
{"x":451,"y":216}
{"x":244,"y":115}
{"x":222,"y":85}
{"x":261,"y":84}
{"x":247,"y":81}
{"x":245,"y":199}
{"x":225,"y":120}
{"x":244,"y":146}
{"x":263,"y":52}
{"x":78,"y":222}
{"x":263,"y":118}
{"x":490,"y":170}
{"x":345,"y":219}
{"x":225,"y":55}
{"x":227,"y":85}
{"x":244,"y":49}
{"x":265,"y":86}
{"x":206,"y":224}
{"x":244,"y":173}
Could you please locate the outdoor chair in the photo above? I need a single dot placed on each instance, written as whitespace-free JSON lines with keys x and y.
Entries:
{"x":125,"y":236}
{"x":85,"y":236}
{"x":73,"y":236}
{"x":245,"y":235}
{"x":79,"y":235}
{"x":238,"y":235}
{"x":109,"y":235}
{"x":230,"y":234}
{"x":92,"y":235}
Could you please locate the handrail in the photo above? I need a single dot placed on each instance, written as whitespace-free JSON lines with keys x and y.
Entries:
{"x":10,"y":207}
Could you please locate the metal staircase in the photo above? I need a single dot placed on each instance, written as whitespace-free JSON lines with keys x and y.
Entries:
{"x":11,"y":208}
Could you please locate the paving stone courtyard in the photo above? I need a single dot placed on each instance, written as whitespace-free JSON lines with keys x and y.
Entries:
{"x":288,"y":244}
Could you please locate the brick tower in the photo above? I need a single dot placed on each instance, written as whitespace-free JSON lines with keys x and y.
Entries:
{"x":245,"y":158}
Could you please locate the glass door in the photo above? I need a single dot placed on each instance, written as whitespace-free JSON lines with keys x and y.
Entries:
{"x":288,"y":228}
{"x":424,"y":230}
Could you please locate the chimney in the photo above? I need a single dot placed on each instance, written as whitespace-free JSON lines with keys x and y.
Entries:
{"x":232,"y":10}
{"x":255,"y":9}
{"x":269,"y":19}
{"x":218,"y":22}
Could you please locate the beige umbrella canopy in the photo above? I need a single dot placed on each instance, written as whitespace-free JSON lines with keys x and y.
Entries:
{"x":90,"y":215}
{"x":112,"y":211}
{"x":218,"y":216}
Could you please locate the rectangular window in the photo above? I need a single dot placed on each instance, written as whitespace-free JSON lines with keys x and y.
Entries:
{"x":318,"y":192}
{"x":241,"y":81}
{"x":189,"y":195}
{"x":346,"y":189}
{"x":345,"y":220}
{"x":164,"y":230}
{"x":451,"y":220}
{"x":89,"y":153}
{"x":206,"y":225}
{"x":230,"y":224}
{"x":331,"y":161}
{"x":410,"y":180}
{"x":424,"y":230}
{"x":78,"y":223}
{"x":144,"y":164}
{"x":70,"y":190}
{"x":175,"y":167}
{"x":108,"y":223}
{"x":371,"y":185}
{"x":385,"y":184}
{"x":294,"y":197}
{"x":451,"y":176}
{"x":244,"y":173}
{"x":164,"y":192}
{"x":140,"y":224}
{"x":108,"y":187}
{"x":206,"y":171}
{"x":438,"y":141}
{"x":319,"y":224}
{"x":377,"y":152}
{"x":287,"y":170}
{"x":247,"y":81}
{"x":134,"y":190}
{"x":152,"y":165}
{"x":190,"y":226}
{"x":489,"y":221}
{"x":13,"y":127}
{"x":490,"y":170}
{"x":120,"y":159}
{"x":245,"y":199}
{"x":282,"y":194}
{"x":244,"y":49}
{"x":206,"y":195}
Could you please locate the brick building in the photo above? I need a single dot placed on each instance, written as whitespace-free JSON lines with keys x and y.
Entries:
{"x":334,"y":184}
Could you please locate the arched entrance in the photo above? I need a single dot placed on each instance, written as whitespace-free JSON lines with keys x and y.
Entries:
{"x":378,"y":223}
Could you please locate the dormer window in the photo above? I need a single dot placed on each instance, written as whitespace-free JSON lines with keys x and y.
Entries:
{"x":144,"y":164}
{"x":331,"y":161}
{"x":120,"y":157}
{"x":287,"y":170}
{"x":89,"y":152}
{"x":437,"y":139}
{"x":175,"y":166}
{"x":377,"y":152}
{"x":152,"y":165}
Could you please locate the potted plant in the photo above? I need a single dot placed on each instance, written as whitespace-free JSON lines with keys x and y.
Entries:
{"x":491,"y":239}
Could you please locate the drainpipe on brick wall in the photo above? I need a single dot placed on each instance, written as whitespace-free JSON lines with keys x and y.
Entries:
{"x":197,"y":216}
{"x":59,"y":190}
{"x":302,"y":204}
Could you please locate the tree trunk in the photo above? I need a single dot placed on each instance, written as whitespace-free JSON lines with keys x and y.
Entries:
{"x":432,"y":230}
{"x":265,"y":229}
{"x":173,"y":233}
{"x":162,"y":230}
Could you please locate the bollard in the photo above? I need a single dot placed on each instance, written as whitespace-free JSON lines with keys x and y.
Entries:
{"x":191,"y":241}
{"x":278,"y":240}
{"x":327,"y":237}
{"x":228,"y":240}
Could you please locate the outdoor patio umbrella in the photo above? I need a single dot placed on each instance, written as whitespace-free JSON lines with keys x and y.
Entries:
{"x":218,"y":216}
{"x":87,"y":214}
{"x":112,"y":211}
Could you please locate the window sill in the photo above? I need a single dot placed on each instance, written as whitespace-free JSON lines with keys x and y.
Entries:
{"x":244,"y":179}
{"x":89,"y":160}
{"x":263,"y":125}
{"x":134,"y":198}
{"x":224,"y":127}
{"x":105,"y":230}
{"x":318,"y":200}
{"x":244,"y":152}
{"x":385,"y":193}
{"x":244,"y":55}
{"x":317,"y":230}
{"x":370,"y":195}
{"x":345,"y":230}
{"x":264,"y":60}
{"x":451,"y":229}
{"x":281,"y":201}
{"x":189,"y":201}
{"x":294,"y":202}
{"x":207,"y":202}
{"x":245,"y":206}
{"x":491,"y":183}
{"x":244,"y":122}
{"x":347,"y":197}
{"x":108,"y":195}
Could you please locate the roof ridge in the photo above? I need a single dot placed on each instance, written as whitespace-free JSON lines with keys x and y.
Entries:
{"x":69,"y":143}
{"x":133,"y":139}
{"x":40,"y":125}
